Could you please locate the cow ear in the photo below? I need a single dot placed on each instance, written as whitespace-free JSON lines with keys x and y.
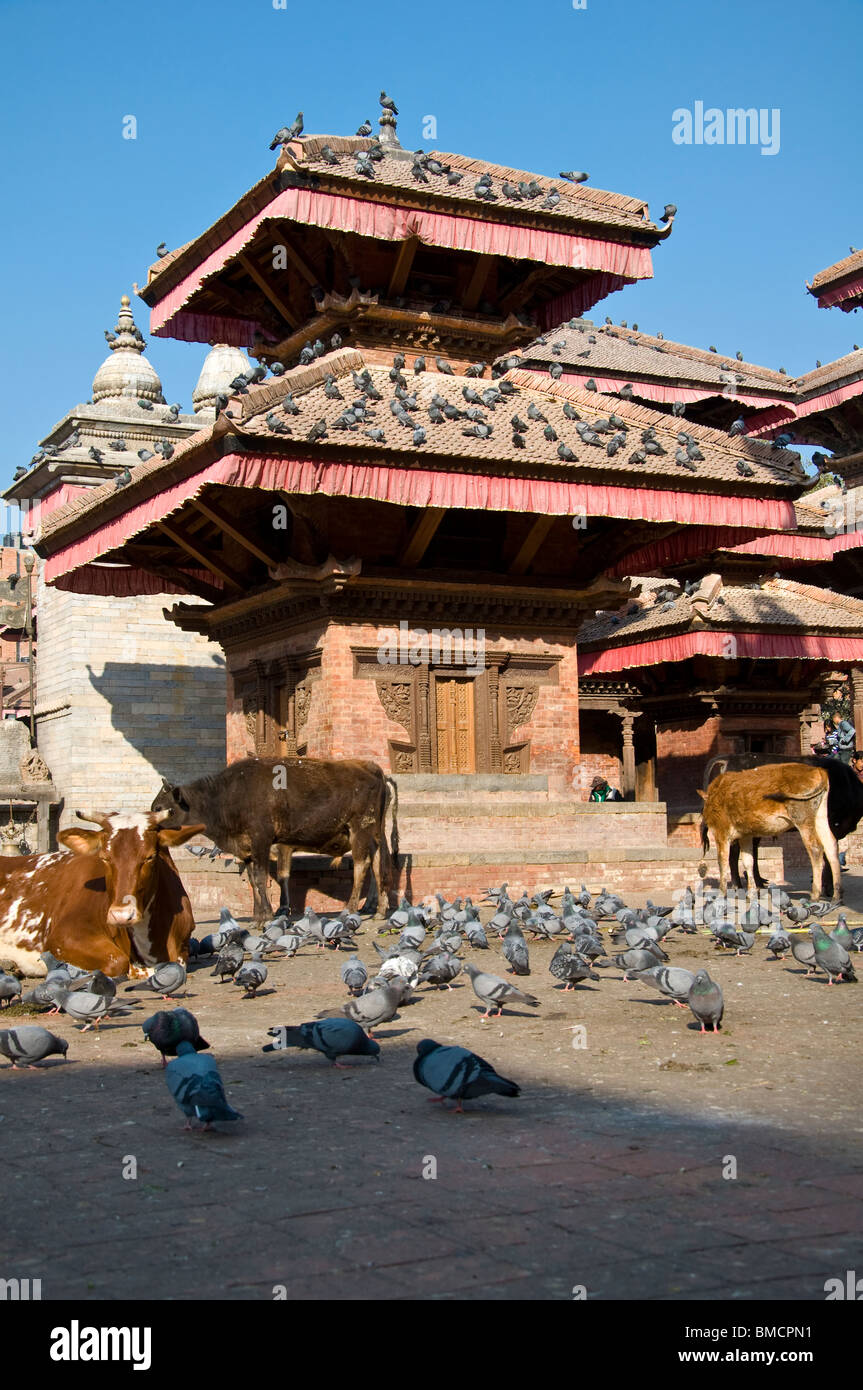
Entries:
{"x":81,"y":841}
{"x":169,"y":839}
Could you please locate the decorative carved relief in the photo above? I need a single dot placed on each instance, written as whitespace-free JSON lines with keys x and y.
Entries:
{"x":33,"y":768}
{"x":403,"y":761}
{"x":520,"y":705}
{"x":512,"y":761}
{"x":396,"y":698}
{"x":303,"y":697}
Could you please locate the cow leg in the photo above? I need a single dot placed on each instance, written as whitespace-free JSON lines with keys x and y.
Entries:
{"x":809,"y":836}
{"x":361,"y":851}
{"x":734,"y":864}
{"x":746,"y":858}
{"x":827,"y":842}
{"x":259,"y":879}
{"x":723,"y":850}
{"x":759,"y":881}
{"x":284,"y":856}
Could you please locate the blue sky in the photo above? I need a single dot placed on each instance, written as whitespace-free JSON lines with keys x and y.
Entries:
{"x":543,"y":87}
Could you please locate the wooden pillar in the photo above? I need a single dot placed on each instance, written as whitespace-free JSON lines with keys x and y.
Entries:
{"x":857,"y":704}
{"x":811,"y":730}
{"x":628,"y":787}
{"x":424,"y":734}
{"x":495,"y":752}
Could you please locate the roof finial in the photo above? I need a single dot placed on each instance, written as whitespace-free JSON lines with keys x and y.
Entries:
{"x":387,"y":122}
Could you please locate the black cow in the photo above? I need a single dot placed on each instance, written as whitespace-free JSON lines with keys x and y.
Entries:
{"x":844,"y":801}
{"x":317,"y":804}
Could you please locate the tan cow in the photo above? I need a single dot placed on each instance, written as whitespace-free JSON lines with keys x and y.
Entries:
{"x":114,"y":903}
{"x":768,"y":801}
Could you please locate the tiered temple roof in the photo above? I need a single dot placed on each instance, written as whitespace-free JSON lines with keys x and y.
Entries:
{"x":841,"y":284}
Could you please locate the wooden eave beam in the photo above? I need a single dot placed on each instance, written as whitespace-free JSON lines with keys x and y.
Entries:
{"x":476,"y":283}
{"x":297,"y":261}
{"x":421,"y":535}
{"x":402,"y":268}
{"x":215,"y":514}
{"x":215,"y":566}
{"x":521,"y":292}
{"x":531,"y":543}
{"x":276,"y":300}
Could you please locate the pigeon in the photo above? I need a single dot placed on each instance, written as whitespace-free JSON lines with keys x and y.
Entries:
{"x":167,"y":979}
{"x":289,"y":942}
{"x":803,"y":952}
{"x":494,"y":992}
{"x":705,"y":1001}
{"x":354,"y":975}
{"x":196,"y":1086}
{"x":334,"y":1037}
{"x":636,"y":959}
{"x":388,"y":104}
{"x":365,"y":129}
{"x":574,"y":176}
{"x":569,"y":966}
{"x":456,"y":1074}
{"x":475,"y":933}
{"x":669,"y":212}
{"x":672,"y":981}
{"x":251,"y":976}
{"x":162,"y":249}
{"x":10,"y":988}
{"x":287,"y":133}
{"x":439,"y":970}
{"x":399,"y":970}
{"x":229,"y":960}
{"x":370,"y":1010}
{"x":515,"y":950}
{"x":797,"y":913}
{"x":841,"y":935}
{"x":82,"y":1006}
{"x":169,"y":1027}
{"x":30,"y":1044}
{"x":779,"y":944}
{"x":832,"y":958}
{"x":328,"y":155}
{"x":443,"y":366}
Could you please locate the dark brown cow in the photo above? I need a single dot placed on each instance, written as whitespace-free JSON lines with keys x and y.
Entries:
{"x":114,"y":903}
{"x":327,"y":806}
{"x":768,"y":801}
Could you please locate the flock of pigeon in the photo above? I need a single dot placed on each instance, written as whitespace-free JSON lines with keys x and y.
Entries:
{"x":428,"y":952}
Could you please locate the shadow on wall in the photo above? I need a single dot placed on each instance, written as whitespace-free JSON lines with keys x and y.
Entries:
{"x":174,"y":716}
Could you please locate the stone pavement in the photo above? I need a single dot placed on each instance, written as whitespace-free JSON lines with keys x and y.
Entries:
{"x":606,"y":1173}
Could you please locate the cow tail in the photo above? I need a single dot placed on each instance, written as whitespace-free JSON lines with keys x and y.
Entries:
{"x":392,"y":802}
{"x":705,"y":838}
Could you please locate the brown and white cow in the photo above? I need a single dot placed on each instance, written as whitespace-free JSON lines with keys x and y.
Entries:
{"x":112,"y":900}
{"x":768,"y":801}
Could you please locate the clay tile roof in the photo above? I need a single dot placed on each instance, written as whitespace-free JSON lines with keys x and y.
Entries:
{"x":629,"y":353}
{"x":164,"y":261}
{"x":577,"y":201}
{"x":851,"y":265}
{"x":778,"y":470}
{"x":846,"y":368}
{"x":776,"y":603}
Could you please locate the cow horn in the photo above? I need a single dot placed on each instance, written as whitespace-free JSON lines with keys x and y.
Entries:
{"x":100,"y":818}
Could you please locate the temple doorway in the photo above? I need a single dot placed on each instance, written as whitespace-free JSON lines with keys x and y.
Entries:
{"x":455,"y":724}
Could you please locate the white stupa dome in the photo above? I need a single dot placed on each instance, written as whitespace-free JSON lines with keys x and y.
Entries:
{"x":221,"y":365}
{"x":126,"y":372}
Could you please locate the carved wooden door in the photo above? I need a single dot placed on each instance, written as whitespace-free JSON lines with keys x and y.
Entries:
{"x":455,"y":722}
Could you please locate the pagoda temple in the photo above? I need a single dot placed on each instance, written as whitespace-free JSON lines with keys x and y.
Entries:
{"x":397,"y":534}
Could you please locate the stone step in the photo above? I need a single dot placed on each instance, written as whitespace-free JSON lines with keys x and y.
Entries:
{"x":465,"y":826}
{"x":422,"y":787}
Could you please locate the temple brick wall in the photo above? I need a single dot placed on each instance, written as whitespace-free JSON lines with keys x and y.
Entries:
{"x":124,"y":698}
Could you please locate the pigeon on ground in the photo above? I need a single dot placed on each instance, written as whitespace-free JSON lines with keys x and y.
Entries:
{"x":636,"y":959}
{"x":229,"y":961}
{"x":779,"y":944}
{"x":403,"y":968}
{"x":832,"y":958}
{"x":705,"y":1001}
{"x":370,"y":1010}
{"x":251,"y":976}
{"x":167,"y":979}
{"x":803,"y":952}
{"x":672,"y":981}
{"x":354,"y":975}
{"x":797,"y":913}
{"x":196,"y":1086}
{"x":515,"y":950}
{"x":89,"y":1009}
{"x":494,"y":992}
{"x":334,"y":1037}
{"x":841,"y":935}
{"x":10,"y":988}
{"x":567,"y":965}
{"x":169,"y":1027}
{"x":475,"y":933}
{"x":456,"y":1074}
{"x":30,"y":1044}
{"x":440,"y":970}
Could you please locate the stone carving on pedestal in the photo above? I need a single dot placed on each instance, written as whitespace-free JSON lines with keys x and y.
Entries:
{"x":33,"y":768}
